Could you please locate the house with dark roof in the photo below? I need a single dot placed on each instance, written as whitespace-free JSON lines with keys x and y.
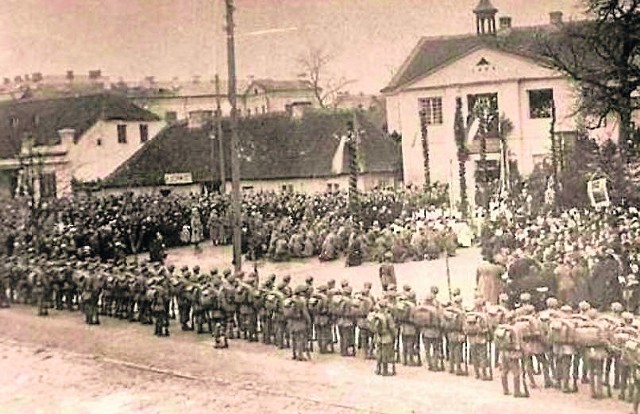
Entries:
{"x":267,"y":96}
{"x":49,"y":143}
{"x":277,"y":152}
{"x":500,"y":66}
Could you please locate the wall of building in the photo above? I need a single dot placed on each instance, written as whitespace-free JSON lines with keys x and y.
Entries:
{"x":275,"y":101}
{"x":98,"y":153}
{"x":182,"y":105}
{"x":366,"y":182}
{"x":511,"y":78}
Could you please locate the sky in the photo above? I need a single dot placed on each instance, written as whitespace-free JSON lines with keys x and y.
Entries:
{"x":132,"y":39}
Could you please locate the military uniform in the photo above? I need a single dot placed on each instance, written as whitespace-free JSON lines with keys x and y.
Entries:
{"x":298,"y":320}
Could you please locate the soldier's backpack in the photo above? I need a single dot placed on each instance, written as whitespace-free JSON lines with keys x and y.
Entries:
{"x":425,"y":316}
{"x":506,"y":337}
{"x":452,"y":320}
{"x":402,"y":310}
{"x":590,"y":334}
{"x":529,"y":327}
{"x":272,"y":301}
{"x":475,"y":324}
{"x":242,"y":295}
{"x":291,"y":309}
{"x":619,"y":338}
{"x":315,"y":305}
{"x":208,"y":299}
{"x":631,"y":351}
{"x":562,"y":331}
{"x":335,"y":305}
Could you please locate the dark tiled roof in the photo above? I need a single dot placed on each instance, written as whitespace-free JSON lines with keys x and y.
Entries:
{"x":272,"y":147}
{"x":432,"y":53}
{"x":41,"y":119}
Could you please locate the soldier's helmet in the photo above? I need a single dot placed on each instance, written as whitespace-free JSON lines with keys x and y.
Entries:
{"x":286,"y":278}
{"x":584,"y":306}
{"x":457,"y":299}
{"x":566,"y":309}
{"x":592,"y":313}
{"x":309,"y":279}
{"x":196,"y":268}
{"x":552,"y":303}
{"x":367,"y":285}
{"x":214,"y":271}
{"x":435,"y":290}
{"x":392,"y":287}
{"x":226,"y":272}
{"x":429,"y":297}
{"x":456,"y":292}
{"x":525,"y":297}
{"x":184,"y":268}
{"x":627,"y":317}
{"x":616,"y":307}
{"x":503,"y":297}
{"x":406,"y":288}
{"x":382,"y":304}
{"x":300,"y":290}
{"x":322,"y":288}
{"x":272,"y":277}
{"x":479,"y":301}
{"x":281,"y":286}
{"x":344,"y":283}
{"x":347,"y":290}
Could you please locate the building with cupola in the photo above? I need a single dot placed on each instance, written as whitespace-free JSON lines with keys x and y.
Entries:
{"x":496,"y":66}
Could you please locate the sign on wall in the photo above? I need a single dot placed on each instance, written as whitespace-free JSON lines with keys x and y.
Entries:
{"x":598,"y":193}
{"x":178,"y":178}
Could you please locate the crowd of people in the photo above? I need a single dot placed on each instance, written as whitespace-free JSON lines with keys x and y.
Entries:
{"x":562,"y":344}
{"x":277,"y":226}
{"x":556,"y":294}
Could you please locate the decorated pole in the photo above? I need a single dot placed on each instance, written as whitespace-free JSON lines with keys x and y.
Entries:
{"x":424,"y":137}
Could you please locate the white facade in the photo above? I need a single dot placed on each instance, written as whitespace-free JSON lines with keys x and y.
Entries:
{"x":94,"y":155}
{"x":257,"y":100}
{"x":180,"y":106}
{"x":511,"y":77}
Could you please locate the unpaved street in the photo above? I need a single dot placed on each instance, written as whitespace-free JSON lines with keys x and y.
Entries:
{"x":56,"y":364}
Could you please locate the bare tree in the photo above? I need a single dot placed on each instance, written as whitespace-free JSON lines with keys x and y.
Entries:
{"x":602,"y":56}
{"x":315,"y":64}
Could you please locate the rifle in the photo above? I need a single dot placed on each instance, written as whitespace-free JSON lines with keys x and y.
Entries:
{"x":524,"y":377}
{"x":465,"y":356}
{"x":490,"y":359}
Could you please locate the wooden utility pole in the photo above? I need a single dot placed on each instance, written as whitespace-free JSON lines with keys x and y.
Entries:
{"x":223,"y":178}
{"x":235,"y":142}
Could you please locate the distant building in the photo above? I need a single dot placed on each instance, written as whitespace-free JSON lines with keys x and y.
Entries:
{"x":362,"y":101}
{"x":497,"y":65}
{"x":47,"y":144}
{"x":278,"y":153}
{"x":268,"y":96}
{"x":39,"y":86}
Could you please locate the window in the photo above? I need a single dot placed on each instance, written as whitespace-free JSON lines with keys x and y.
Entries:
{"x":122,"y":134}
{"x":540,"y":103}
{"x":264,"y":109}
{"x":333,"y":187}
{"x":48,"y":185}
{"x":431,"y":110}
{"x":247,"y":188}
{"x":248,"y":112}
{"x":14,"y":122}
{"x":144,"y":133}
{"x":171,"y":116}
{"x":487,"y":103}
{"x":287,"y":188}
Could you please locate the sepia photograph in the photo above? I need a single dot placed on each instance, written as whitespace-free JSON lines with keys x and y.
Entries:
{"x":319,"y":206}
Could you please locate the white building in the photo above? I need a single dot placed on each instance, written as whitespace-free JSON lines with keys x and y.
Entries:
{"x":497,"y":65}
{"x":51,"y":143}
{"x":267,"y":96}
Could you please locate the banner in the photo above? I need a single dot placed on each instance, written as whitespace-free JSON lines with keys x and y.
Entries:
{"x":598,"y":192}
{"x":178,"y":178}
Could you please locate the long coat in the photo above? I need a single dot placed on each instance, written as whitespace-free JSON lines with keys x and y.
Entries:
{"x":488,"y":279}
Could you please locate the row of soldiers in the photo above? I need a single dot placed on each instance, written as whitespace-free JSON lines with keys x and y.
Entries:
{"x":555,"y":343}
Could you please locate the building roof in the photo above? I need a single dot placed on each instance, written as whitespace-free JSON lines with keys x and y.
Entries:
{"x":273,"y":85}
{"x":485,"y":6}
{"x":432,"y":53}
{"x":42,"y":119}
{"x":272,"y":147}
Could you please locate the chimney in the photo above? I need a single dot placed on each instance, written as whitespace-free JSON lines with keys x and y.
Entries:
{"x":67,"y":136}
{"x":7,"y":81}
{"x":555,"y":18}
{"x":505,"y":23}
{"x":27,"y":78}
{"x":150,"y":80}
{"x":36,"y":76}
{"x":95,"y":74}
{"x":18,"y":79}
{"x":70,"y":75}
